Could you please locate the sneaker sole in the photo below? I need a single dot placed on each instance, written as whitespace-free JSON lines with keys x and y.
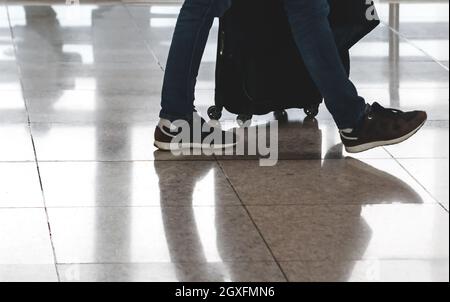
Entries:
{"x":368,"y":146}
{"x":177,"y":147}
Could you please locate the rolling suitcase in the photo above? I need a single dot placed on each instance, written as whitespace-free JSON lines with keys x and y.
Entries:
{"x":259,"y":69}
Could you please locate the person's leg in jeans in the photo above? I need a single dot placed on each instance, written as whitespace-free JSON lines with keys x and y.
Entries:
{"x":315,"y":40}
{"x":362,"y":127}
{"x":186,"y":51}
{"x":177,"y":103}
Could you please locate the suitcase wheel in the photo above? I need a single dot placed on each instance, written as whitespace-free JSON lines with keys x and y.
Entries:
{"x":214,"y":113}
{"x":312,"y":111}
{"x":280,"y":115}
{"x":244,"y":120}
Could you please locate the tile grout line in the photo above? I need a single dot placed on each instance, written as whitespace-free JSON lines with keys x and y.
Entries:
{"x":265,"y":205}
{"x":260,"y":261}
{"x":32,"y":142}
{"x":210,"y":160}
{"x":417,"y":181}
{"x":253,"y":221}
{"x":405,"y":38}
{"x":147,"y":45}
{"x":422,"y":186}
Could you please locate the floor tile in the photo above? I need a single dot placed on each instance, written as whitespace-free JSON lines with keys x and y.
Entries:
{"x":20,"y":185}
{"x":173,"y":272}
{"x":371,"y":232}
{"x":11,"y":84}
{"x":50,"y":31}
{"x":427,"y":30}
{"x":312,"y":182}
{"x":368,"y":271}
{"x":415,"y":12}
{"x":5,"y":36}
{"x":430,"y":142}
{"x":16,"y":144}
{"x":28,"y":273}
{"x":9,"y":78}
{"x":438,"y":49}
{"x":3,"y":11}
{"x":117,"y":84}
{"x":93,"y":141}
{"x":141,"y":235}
{"x":159,"y":183}
{"x":377,"y":46}
{"x":408,"y":99}
{"x":12,"y":107}
{"x":8,"y":64}
{"x":433,"y":174}
{"x":82,"y":56}
{"x":101,"y":142}
{"x":61,"y":11}
{"x":25,"y":237}
{"x":308,"y":138}
{"x":298,"y":138}
{"x":92,"y":66}
{"x":370,"y":74}
{"x":74,"y":106}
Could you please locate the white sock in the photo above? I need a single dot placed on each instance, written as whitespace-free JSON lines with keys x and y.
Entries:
{"x":346,"y":131}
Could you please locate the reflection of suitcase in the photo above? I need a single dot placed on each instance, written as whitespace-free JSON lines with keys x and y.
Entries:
{"x":259,"y":69}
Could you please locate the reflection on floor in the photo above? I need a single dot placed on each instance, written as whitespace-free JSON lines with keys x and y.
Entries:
{"x":79,"y":89}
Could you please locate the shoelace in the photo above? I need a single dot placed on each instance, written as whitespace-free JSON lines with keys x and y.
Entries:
{"x":385,"y":112}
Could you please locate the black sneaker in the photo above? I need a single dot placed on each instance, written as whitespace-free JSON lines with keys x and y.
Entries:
{"x":192,"y":134}
{"x":382,"y":127}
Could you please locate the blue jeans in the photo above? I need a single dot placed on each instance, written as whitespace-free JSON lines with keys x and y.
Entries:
{"x":314,"y":39}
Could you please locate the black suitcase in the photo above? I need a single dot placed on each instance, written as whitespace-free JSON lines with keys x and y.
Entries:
{"x":259,"y":69}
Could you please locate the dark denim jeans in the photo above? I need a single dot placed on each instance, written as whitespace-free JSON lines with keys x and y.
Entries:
{"x":313,"y":36}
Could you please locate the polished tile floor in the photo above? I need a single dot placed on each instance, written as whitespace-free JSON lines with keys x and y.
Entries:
{"x":84,"y":196}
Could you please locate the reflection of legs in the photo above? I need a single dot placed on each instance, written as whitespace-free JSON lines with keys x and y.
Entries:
{"x":315,"y":40}
{"x":180,"y":245}
{"x":188,"y":45}
{"x":178,"y":93}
